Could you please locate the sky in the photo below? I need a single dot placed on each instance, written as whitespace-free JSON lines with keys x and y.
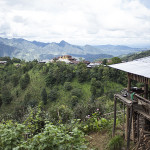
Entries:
{"x":80,"y":22}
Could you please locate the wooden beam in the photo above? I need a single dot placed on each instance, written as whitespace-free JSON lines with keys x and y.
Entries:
{"x":114,"y":126}
{"x":138,"y":97}
{"x":138,"y":78}
{"x":124,"y":100}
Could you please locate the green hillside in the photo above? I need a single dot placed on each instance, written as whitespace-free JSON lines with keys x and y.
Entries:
{"x":33,"y":94}
{"x":136,"y":56}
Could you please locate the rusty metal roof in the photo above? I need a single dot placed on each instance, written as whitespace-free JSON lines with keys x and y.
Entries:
{"x":139,"y":67}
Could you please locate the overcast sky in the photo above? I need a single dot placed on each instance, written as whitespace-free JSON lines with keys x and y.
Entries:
{"x":79,"y":22}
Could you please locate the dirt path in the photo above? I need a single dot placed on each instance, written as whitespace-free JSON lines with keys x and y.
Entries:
{"x":98,"y":140}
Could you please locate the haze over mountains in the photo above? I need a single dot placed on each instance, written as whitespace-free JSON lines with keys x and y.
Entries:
{"x":30,"y":50}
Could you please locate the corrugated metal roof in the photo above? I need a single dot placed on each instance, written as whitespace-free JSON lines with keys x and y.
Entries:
{"x":139,"y":67}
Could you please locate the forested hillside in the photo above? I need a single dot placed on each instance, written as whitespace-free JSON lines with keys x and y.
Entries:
{"x":136,"y":56}
{"x":61,"y":99}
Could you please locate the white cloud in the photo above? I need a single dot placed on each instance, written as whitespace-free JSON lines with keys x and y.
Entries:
{"x":76,"y":21}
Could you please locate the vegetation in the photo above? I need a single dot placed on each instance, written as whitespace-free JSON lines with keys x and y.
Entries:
{"x":131,"y":57}
{"x":72,"y":98}
{"x":115,"y":143}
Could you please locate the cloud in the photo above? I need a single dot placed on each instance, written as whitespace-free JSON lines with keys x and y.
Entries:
{"x":78,"y":22}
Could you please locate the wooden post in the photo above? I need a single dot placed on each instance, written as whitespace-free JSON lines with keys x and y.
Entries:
{"x":146,"y":91}
{"x":133,"y":125}
{"x":114,"y":126}
{"x":123,"y":120}
{"x":129,"y":128}
{"x":138,"y":126}
{"x":129,"y":83}
{"x":127,"y":121}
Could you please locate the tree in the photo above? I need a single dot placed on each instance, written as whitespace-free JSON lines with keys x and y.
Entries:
{"x":116,"y":60}
{"x":15,"y":80}
{"x":67,"y":86}
{"x":76,"y":92}
{"x":104,"y":62}
{"x":16,"y":60}
{"x":53,"y":95}
{"x":82,"y":72}
{"x":74,"y":100}
{"x":97,"y":88}
{"x":44,"y":96}
{"x":6,"y":96}
{"x":25,"y":81}
{"x":1,"y":102}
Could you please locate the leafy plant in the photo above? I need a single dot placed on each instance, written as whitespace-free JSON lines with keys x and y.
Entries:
{"x":115,"y":143}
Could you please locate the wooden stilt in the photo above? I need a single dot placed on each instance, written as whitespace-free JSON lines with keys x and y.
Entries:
{"x":127,"y":121}
{"x":138,"y":126}
{"x":123,"y":120}
{"x":129,"y":128}
{"x":146,"y":91}
{"x":133,"y":126}
{"x":114,"y":126}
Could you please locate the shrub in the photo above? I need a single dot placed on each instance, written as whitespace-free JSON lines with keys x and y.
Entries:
{"x":115,"y":143}
{"x":15,"y":80}
{"x":6,"y":96}
{"x":67,"y":86}
{"x":74,"y":100}
{"x":61,"y":114}
{"x":76,"y":92}
{"x":44,"y":96}
{"x":24,"y":81}
{"x":53,"y":94}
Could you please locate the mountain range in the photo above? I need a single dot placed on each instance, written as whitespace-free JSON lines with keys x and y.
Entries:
{"x":29,"y":50}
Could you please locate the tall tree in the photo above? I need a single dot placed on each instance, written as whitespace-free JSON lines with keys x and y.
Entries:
{"x":44,"y":96}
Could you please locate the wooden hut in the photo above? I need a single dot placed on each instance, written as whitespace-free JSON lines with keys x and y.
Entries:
{"x":137,"y":103}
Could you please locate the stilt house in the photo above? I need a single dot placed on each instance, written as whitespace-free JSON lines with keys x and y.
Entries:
{"x":136,"y":103}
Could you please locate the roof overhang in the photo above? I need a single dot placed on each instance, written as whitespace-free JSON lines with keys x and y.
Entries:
{"x":139,"y":67}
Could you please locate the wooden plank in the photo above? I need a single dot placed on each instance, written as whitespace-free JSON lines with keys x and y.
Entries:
{"x":141,"y":111}
{"x":142,"y":98}
{"x":123,"y":99}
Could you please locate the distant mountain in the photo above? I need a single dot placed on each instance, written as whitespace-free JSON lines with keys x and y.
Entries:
{"x":40,"y":44}
{"x":30,"y":50}
{"x":6,"y":50}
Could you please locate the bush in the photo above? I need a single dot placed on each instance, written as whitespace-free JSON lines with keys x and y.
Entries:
{"x":76,"y":92}
{"x":61,"y":114}
{"x":67,"y":86}
{"x":115,"y":143}
{"x":44,"y":96}
{"x":53,"y":94}
{"x":74,"y":101}
{"x":6,"y":96}
{"x":15,"y":80}
{"x":11,"y":135}
{"x":24,"y":81}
